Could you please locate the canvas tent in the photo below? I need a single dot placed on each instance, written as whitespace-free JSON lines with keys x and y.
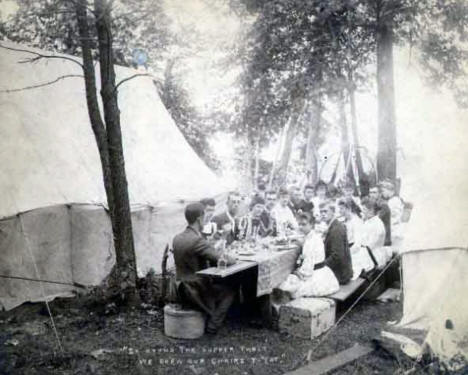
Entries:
{"x":435,"y":250}
{"x":53,"y":224}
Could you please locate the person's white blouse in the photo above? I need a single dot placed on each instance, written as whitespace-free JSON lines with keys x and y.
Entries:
{"x":396,"y":209}
{"x":373,"y":233}
{"x":354,"y":229}
{"x":313,"y":252}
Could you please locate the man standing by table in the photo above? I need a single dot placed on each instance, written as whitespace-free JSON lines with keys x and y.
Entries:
{"x":337,"y":254}
{"x":191,"y":254}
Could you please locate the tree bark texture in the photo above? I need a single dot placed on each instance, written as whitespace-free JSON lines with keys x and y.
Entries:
{"x":345,"y":141}
{"x":363,"y":180}
{"x":126,"y":272}
{"x":291,"y":131}
{"x":311,"y":162}
{"x":95,"y":118}
{"x":386,"y":151}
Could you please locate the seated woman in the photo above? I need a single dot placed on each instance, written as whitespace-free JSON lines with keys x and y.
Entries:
{"x":312,"y":278}
{"x":373,"y":234}
{"x":360,"y":257}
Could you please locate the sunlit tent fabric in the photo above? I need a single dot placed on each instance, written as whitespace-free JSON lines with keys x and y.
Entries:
{"x":435,"y":250}
{"x":53,"y":224}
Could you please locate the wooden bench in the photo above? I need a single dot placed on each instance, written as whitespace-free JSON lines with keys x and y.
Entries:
{"x":347,"y":290}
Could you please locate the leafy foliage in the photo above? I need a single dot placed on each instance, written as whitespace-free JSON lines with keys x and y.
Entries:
{"x":52,"y":25}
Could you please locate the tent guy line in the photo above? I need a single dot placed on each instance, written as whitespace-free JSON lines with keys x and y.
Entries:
{"x":42,"y":281}
{"x":371,"y":284}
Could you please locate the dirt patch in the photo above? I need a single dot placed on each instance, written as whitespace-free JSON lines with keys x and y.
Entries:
{"x":109,"y":340}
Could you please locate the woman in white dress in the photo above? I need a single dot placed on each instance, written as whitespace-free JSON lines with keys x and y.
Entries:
{"x":361,"y":260}
{"x":373,"y":234}
{"x":312,"y":278}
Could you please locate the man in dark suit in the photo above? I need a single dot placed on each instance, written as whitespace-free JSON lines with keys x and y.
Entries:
{"x":191,"y":254}
{"x":384,"y":213}
{"x":306,"y":204}
{"x":337,"y":254}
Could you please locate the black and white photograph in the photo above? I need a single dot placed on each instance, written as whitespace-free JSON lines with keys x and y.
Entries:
{"x":233,"y":187}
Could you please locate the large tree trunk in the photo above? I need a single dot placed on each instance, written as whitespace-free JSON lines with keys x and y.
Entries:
{"x":95,"y":118}
{"x":386,"y":153}
{"x":248,"y":165}
{"x":125,"y":272}
{"x":256,"y":163}
{"x":277,"y":155}
{"x":363,"y":180}
{"x":345,"y":143}
{"x":311,"y":162}
{"x":291,"y":131}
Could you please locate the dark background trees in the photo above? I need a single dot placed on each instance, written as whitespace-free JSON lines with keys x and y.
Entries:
{"x":325,"y":50}
{"x":299,"y":61}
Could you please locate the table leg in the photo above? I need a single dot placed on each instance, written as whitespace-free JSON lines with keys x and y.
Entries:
{"x":264,"y":303}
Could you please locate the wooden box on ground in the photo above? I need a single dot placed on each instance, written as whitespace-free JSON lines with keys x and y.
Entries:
{"x":307,"y":317}
{"x":182,"y":323}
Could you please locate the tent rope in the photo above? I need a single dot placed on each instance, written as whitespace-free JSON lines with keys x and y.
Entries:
{"x":42,"y":281}
{"x":309,"y":353}
{"x":26,"y":237}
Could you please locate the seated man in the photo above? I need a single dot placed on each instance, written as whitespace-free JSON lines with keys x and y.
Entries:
{"x":282,"y":214}
{"x":295,"y":203}
{"x":396,"y":206}
{"x":360,"y":257}
{"x":226,"y":222}
{"x":255,"y":224}
{"x":387,"y":189}
{"x":191,"y":254}
{"x":267,"y":217}
{"x":321,"y":192}
{"x":307,"y":204}
{"x":337,"y":254}
{"x":313,"y":278}
{"x":383,"y":211}
{"x":209,"y":227}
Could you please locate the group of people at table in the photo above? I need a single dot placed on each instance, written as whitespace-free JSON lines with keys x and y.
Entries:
{"x":341,"y":237}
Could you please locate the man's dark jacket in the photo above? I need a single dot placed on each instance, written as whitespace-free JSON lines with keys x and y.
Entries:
{"x":386,"y":216}
{"x":192,"y":253}
{"x":337,"y":254}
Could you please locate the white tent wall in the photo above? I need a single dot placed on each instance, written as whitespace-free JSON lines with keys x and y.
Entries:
{"x":435,"y":283}
{"x":92,"y":251}
{"x":35,"y":244}
{"x":432,"y":138}
{"x":50,"y":176}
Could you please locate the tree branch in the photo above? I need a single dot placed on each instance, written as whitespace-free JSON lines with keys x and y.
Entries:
{"x":42,"y":84}
{"x":131,"y":77}
{"x":40,"y":56}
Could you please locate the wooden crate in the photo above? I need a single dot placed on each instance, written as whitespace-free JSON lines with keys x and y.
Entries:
{"x":307,"y":317}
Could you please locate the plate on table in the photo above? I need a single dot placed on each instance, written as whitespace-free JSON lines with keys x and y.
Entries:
{"x":285,"y":247}
{"x":246,"y":253}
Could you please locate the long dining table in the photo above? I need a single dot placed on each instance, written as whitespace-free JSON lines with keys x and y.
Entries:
{"x":273,"y":267}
